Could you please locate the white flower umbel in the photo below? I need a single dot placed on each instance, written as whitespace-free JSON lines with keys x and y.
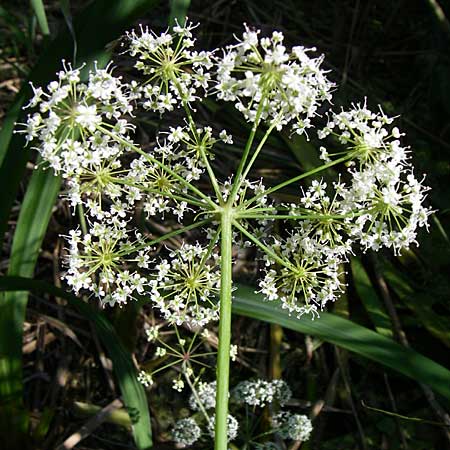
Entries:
{"x":69,"y":112}
{"x":83,"y":131}
{"x":186,"y":284}
{"x":186,"y":432}
{"x":302,"y":273}
{"x":206,"y":395}
{"x":98,"y":261}
{"x":265,"y":81}
{"x":382,"y":187}
{"x":176,"y":73}
{"x":366,"y":135}
{"x":260,"y":392}
{"x":292,"y":426}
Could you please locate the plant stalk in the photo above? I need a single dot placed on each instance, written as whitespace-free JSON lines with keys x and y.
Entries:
{"x":223,"y":353}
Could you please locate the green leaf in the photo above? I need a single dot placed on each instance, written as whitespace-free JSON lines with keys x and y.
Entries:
{"x":370,"y":299}
{"x":178,"y":11}
{"x":41,"y":16}
{"x":132,"y":391}
{"x":420,"y":303}
{"x":350,"y":336}
{"x":65,"y":8}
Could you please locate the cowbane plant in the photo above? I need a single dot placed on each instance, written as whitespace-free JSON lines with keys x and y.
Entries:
{"x":84,"y":130}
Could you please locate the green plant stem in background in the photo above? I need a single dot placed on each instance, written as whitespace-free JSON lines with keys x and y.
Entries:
{"x":39,"y":11}
{"x":223,"y":353}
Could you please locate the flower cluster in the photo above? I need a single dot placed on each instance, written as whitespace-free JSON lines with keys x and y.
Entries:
{"x":206,"y":395}
{"x":83,"y":130}
{"x":176,"y":73}
{"x":302,"y":273}
{"x":259,"y":392}
{"x":382,"y":187}
{"x":292,"y":426}
{"x":268,"y":83}
{"x":98,"y":263}
{"x":73,"y":117}
{"x":186,"y":284}
{"x":186,"y":431}
{"x":254,"y":393}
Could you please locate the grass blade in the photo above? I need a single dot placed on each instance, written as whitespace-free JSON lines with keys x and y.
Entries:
{"x":370,"y":299}
{"x":65,"y":8}
{"x":178,"y":11}
{"x":350,"y":336}
{"x":132,"y":391}
{"x":41,"y":16}
{"x":420,"y":303}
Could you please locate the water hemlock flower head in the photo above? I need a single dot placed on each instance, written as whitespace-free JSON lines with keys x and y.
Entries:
{"x":206,"y":395}
{"x":259,"y":392}
{"x":186,"y":285}
{"x":292,"y":426}
{"x":97,"y":263}
{"x":70,"y":110}
{"x":308,"y":277}
{"x":84,"y":131}
{"x":266,"y":82}
{"x":175,"y":72}
{"x":186,"y":432}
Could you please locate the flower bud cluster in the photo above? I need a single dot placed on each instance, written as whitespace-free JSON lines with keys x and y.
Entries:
{"x":186,"y":432}
{"x":256,"y":394}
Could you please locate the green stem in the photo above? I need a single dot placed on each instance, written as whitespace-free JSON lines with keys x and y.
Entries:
{"x":263,"y":247}
{"x":209,"y":169}
{"x":297,"y":178}
{"x":197,"y":398}
{"x":83,"y":224}
{"x":249,"y":215}
{"x":247,"y":148}
{"x":158,"y":163}
{"x":256,"y":153}
{"x":223,"y":353}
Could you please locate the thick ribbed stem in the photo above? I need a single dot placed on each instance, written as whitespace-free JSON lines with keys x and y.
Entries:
{"x":223,"y":354}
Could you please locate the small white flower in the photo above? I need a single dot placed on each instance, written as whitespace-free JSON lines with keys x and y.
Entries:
{"x":186,"y":432}
{"x":145,"y":378}
{"x":178,"y":385}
